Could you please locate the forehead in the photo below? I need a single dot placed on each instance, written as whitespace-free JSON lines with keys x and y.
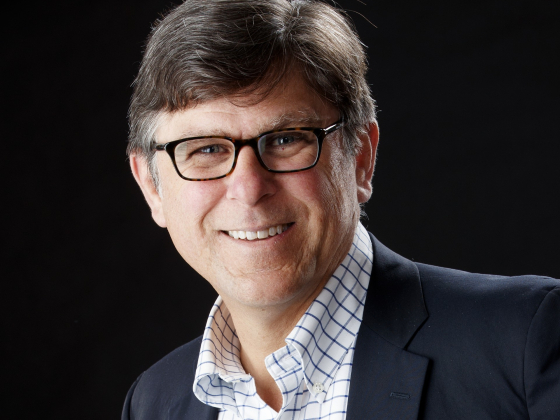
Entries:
{"x":291,"y":103}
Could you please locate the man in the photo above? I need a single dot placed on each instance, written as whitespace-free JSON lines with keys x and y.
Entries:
{"x":253,"y":138}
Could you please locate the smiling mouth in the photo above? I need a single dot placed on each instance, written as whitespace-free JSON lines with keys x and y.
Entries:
{"x":249,"y":235}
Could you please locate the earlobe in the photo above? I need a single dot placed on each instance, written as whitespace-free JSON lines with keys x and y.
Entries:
{"x":365,"y":161}
{"x":141,"y":172}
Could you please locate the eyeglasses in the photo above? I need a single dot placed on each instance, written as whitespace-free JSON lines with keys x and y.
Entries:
{"x":212,"y":157}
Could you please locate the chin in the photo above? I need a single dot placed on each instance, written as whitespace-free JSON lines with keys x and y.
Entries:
{"x":266,"y":289}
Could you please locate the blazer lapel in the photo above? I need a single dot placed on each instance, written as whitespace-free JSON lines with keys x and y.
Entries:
{"x":395,"y":306}
{"x":387,"y":380}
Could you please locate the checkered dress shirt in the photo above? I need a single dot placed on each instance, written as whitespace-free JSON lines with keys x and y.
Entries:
{"x":312,"y":371}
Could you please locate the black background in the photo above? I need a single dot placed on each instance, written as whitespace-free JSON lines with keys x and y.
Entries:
{"x":94,"y":291}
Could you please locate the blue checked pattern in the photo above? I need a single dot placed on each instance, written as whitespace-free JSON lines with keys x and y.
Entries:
{"x":313,"y":369}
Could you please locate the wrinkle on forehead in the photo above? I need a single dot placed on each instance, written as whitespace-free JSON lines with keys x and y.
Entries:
{"x":291,"y":104}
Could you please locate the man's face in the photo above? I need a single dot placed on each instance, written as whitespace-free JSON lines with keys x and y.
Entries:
{"x":318,"y":207}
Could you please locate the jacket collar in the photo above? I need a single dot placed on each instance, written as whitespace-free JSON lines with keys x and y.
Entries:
{"x":395,"y":306}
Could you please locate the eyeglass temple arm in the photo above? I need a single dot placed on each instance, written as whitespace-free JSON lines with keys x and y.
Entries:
{"x":334,"y":127}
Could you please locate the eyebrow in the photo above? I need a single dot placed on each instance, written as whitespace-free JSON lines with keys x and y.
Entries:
{"x":300,"y":118}
{"x":303,"y":118}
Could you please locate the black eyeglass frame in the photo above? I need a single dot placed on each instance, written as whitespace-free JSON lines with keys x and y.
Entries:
{"x":320,"y":133}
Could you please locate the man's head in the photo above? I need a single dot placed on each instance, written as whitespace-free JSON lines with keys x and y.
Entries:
{"x":205,"y":50}
{"x":237,"y":69}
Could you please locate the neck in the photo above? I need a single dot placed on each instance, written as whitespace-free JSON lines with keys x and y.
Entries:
{"x":262,"y":331}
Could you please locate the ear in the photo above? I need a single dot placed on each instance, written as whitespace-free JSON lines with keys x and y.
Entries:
{"x":142,"y":175}
{"x":365,"y":161}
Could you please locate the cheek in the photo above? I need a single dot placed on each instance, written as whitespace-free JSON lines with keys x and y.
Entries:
{"x":339,"y":187}
{"x":188,"y":210}
{"x":186,"y":202}
{"x":322,"y":193}
{"x":340,"y":209}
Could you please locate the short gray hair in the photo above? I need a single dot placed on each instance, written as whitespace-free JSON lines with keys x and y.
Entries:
{"x":208,"y":49}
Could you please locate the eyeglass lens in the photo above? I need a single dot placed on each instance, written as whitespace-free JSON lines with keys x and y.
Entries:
{"x":214,"y":157}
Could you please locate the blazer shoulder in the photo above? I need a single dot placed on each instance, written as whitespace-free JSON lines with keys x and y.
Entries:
{"x":174,"y":372}
{"x":166,"y":386}
{"x":498,"y":306}
{"x":447,"y":281}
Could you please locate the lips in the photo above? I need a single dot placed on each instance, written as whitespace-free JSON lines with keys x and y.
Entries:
{"x":259,"y":234}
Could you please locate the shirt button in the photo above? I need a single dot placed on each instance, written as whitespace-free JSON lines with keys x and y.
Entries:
{"x":318,"y":387}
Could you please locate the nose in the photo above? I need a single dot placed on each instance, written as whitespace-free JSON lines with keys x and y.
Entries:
{"x":250,"y":183}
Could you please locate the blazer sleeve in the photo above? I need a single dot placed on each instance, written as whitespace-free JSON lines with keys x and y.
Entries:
{"x":542,"y":360}
{"x":127,"y":408}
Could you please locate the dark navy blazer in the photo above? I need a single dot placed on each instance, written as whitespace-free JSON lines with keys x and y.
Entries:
{"x":434,"y":344}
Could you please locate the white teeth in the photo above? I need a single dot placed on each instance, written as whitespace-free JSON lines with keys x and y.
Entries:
{"x":261,"y":234}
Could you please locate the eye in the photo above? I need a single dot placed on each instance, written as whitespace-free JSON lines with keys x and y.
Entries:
{"x":211,"y":148}
{"x":198,"y":149}
{"x":283,"y":140}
